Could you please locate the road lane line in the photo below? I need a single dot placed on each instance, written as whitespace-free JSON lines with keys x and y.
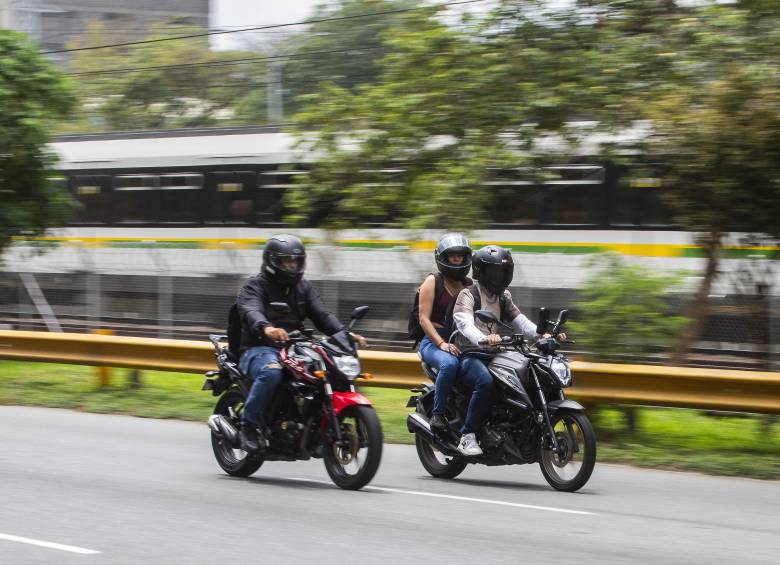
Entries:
{"x":50,"y":545}
{"x":464,"y":498}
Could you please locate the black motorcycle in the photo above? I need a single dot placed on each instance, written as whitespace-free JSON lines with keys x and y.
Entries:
{"x":316,"y":412}
{"x":530,"y":419}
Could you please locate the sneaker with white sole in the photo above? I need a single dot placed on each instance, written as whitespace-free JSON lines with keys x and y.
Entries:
{"x":468,"y":445}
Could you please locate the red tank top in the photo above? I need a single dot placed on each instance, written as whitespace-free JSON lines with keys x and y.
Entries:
{"x":440,"y":306}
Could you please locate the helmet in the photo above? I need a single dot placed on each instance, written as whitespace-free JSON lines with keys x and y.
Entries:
{"x":453,"y":243}
{"x":278,"y":250}
{"x":494,"y":268}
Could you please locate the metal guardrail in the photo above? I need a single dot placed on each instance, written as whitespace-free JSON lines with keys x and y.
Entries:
{"x":595,"y":383}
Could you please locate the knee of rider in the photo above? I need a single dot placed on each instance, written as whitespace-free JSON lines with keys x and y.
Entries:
{"x":485,"y":383}
{"x":448,"y":363}
{"x":271,"y":372}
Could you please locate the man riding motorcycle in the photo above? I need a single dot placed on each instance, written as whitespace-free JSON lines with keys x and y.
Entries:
{"x":263,"y":331}
{"x":493,"y":269}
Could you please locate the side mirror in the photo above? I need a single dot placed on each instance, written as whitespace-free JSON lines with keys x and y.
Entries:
{"x":357,"y":313}
{"x":544,"y":321}
{"x":280,"y":307}
{"x":486,"y":316}
{"x":562,"y":317}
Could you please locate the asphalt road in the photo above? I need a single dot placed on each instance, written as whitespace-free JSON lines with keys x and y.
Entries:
{"x":84,"y":488}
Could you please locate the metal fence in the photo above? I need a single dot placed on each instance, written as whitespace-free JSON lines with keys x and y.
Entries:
{"x":186,"y":294}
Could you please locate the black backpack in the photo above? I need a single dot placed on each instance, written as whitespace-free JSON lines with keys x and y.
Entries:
{"x":234,"y":330}
{"x":416,"y":332}
{"x":449,"y":319}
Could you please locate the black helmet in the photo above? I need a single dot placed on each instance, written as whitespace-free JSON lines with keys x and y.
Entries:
{"x":281,"y":247}
{"x":453,"y":243}
{"x":494,"y":268}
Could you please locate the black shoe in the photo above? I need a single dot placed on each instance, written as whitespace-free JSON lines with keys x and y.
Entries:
{"x":439,"y":423}
{"x":249,"y":439}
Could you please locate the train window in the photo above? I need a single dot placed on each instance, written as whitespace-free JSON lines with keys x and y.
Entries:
{"x":637,"y":202}
{"x":270,"y":197}
{"x":90,"y":191}
{"x":513,"y":203}
{"x":135,"y":199}
{"x":573,"y":195}
{"x":180,"y":197}
{"x":231,"y":196}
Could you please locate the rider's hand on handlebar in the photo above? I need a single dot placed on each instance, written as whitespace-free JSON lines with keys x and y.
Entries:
{"x":361,"y":341}
{"x":494,"y":339}
{"x":275,"y":334}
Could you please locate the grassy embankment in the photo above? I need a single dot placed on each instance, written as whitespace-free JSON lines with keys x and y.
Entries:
{"x":665,"y":438}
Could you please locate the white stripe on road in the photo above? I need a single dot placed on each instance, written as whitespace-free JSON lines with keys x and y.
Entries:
{"x":50,"y":545}
{"x":464,"y":498}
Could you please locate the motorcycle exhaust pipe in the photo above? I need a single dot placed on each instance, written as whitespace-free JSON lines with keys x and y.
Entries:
{"x":223,"y":428}
{"x":415,"y":423}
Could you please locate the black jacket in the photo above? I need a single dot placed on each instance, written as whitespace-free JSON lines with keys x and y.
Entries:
{"x":255,"y":313}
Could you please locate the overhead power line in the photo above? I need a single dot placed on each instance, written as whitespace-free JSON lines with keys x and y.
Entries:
{"x":258,"y":28}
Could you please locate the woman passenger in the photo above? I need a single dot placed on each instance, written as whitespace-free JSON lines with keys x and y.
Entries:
{"x":453,"y":259}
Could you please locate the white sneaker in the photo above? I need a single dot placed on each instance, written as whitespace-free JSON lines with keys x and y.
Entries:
{"x":468,"y":445}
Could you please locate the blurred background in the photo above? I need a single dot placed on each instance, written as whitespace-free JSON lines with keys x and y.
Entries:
{"x":627,"y":153}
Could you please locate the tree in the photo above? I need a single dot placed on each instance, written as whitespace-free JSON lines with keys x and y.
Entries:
{"x":454,"y":106}
{"x":623,"y":311}
{"x":178,"y":83}
{"x":33,"y":95}
{"x":344,"y":51}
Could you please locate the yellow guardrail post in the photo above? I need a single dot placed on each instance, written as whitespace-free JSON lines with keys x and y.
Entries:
{"x":103,"y":373}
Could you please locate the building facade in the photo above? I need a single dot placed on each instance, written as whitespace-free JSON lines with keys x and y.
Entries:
{"x":54,"y":23}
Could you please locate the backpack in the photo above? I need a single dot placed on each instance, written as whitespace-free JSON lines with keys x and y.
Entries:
{"x":416,"y":332}
{"x":234,"y":330}
{"x":449,"y":319}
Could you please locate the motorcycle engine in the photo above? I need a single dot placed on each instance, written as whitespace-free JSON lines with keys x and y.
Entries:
{"x":287,"y":434}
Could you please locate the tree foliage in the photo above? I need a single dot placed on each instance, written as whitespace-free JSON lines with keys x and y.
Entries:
{"x":179,"y":83}
{"x":344,"y":51}
{"x":33,"y":95}
{"x":624,"y":311}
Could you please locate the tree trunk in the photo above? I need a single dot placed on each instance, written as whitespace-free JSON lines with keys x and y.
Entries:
{"x":700,"y":307}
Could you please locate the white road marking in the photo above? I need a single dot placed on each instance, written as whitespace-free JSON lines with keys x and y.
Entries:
{"x":464,"y":498}
{"x":50,"y":545}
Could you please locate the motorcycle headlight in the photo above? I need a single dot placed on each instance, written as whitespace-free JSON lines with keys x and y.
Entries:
{"x":561,"y":370}
{"x":348,"y":366}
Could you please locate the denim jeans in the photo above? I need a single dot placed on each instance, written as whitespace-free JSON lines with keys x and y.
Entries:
{"x":262,"y":364}
{"x":447,"y":364}
{"x":475,"y":374}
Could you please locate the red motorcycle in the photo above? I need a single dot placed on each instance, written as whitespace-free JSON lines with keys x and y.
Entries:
{"x":316,"y":412}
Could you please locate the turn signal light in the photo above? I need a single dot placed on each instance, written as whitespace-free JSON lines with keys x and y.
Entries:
{"x":319,"y":374}
{"x":367,"y":376}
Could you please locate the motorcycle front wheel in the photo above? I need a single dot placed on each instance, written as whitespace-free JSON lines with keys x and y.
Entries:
{"x":233,"y":461}
{"x":570,"y":467}
{"x":354,"y":463}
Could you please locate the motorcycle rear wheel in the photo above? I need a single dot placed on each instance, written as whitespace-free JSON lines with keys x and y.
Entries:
{"x":571,"y":468}
{"x":436,"y":463}
{"x":236,"y":462}
{"x":353,"y":465}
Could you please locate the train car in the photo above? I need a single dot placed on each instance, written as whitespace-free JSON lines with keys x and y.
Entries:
{"x":184,"y":214}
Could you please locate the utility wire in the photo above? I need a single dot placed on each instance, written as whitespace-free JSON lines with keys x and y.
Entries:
{"x":272,"y":26}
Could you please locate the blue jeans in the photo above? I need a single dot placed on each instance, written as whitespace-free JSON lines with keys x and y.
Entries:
{"x":262,"y":364}
{"x":475,"y":374}
{"x":447,"y":364}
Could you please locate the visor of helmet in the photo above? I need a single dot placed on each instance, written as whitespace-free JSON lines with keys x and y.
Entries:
{"x":292,"y":264}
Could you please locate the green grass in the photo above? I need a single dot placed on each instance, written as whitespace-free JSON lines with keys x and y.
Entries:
{"x":664,"y":438}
